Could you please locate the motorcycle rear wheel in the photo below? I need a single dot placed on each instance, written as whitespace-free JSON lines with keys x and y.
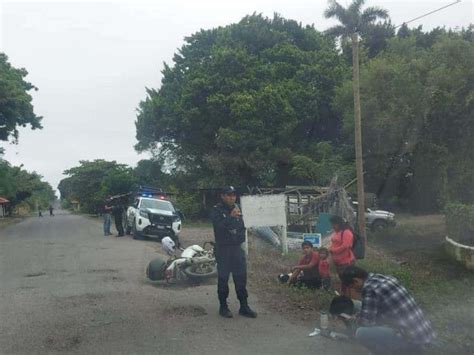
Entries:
{"x":200,"y":272}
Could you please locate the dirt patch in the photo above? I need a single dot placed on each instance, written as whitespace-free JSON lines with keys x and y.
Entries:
{"x":35,"y":274}
{"x":193,"y":235}
{"x":412,"y":235}
{"x":59,"y":343}
{"x":68,"y":302}
{"x":100,"y":271}
{"x":113,"y":278}
{"x":186,"y":311}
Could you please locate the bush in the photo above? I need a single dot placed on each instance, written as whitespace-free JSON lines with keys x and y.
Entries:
{"x":187,"y":202}
{"x":459,"y":220}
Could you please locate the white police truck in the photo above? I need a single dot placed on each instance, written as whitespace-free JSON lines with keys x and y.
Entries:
{"x":153,"y":214}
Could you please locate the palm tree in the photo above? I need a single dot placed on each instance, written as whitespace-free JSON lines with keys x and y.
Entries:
{"x":352,"y":22}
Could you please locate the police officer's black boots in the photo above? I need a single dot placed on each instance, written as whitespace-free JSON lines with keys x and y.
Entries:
{"x":224,"y":311}
{"x":246,"y":311}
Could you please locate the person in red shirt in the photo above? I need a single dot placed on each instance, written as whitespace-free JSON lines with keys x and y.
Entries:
{"x":306,"y":273}
{"x":341,"y":246}
{"x":323,"y":268}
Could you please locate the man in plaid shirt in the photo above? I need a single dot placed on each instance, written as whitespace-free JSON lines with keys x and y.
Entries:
{"x":390,"y":321}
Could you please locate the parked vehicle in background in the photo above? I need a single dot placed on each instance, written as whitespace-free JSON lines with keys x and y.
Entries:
{"x":152,"y":214}
{"x":377,"y":219}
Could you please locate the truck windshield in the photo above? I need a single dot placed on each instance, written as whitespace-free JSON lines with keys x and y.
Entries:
{"x":157,"y":204}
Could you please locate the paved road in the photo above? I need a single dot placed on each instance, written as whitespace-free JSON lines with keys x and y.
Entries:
{"x":66,"y":288}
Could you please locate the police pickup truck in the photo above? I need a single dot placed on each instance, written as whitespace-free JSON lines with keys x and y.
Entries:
{"x":152,"y":214}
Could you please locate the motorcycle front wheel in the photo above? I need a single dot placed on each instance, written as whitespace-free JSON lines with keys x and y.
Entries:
{"x":200,"y":272}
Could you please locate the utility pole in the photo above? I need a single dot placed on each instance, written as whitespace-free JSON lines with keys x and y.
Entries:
{"x":358,"y":138}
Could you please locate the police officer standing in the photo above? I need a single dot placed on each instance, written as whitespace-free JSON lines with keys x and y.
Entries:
{"x":117,"y":211}
{"x":229,"y":233}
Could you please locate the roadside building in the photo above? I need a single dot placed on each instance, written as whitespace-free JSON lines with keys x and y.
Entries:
{"x":4,"y":206}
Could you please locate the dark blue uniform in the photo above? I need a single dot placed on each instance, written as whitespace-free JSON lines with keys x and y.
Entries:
{"x":229,"y":233}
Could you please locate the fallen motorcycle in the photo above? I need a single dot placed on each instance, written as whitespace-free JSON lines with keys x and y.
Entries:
{"x":195,"y":263}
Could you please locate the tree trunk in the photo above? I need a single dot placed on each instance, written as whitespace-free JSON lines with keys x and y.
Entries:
{"x":358,"y":138}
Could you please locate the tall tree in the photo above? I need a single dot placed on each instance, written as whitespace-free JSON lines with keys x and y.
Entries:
{"x":241,"y":101}
{"x":417,"y":108}
{"x":352,"y":20}
{"x":24,"y":188}
{"x":16,"y":109}
{"x":92,"y":181}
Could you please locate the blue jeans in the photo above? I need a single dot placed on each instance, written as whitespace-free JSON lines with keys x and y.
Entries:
{"x":385,"y":340}
{"x":107,"y":222}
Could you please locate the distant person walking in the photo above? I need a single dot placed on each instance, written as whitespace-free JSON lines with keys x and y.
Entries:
{"x":341,"y":247}
{"x":40,"y":214}
{"x":51,"y":209}
{"x":117,"y":211}
{"x":107,"y":219}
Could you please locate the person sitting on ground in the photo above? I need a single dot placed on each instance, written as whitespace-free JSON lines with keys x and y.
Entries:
{"x":323,"y":268}
{"x":306,"y":272}
{"x":390,"y":321}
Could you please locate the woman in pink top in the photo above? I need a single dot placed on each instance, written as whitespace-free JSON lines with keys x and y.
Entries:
{"x":341,"y":246}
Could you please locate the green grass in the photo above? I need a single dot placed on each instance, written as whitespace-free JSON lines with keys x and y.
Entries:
{"x":442,"y":287}
{"x":7,"y":221}
{"x":196,"y":224}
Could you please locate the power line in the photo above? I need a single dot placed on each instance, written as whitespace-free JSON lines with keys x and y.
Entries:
{"x":429,"y":13}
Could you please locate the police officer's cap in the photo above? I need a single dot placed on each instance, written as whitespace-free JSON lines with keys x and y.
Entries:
{"x":228,"y":190}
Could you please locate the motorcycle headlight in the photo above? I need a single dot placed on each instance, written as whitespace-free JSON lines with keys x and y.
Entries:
{"x":144,"y":214}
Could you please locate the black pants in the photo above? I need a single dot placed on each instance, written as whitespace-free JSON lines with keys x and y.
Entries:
{"x":308,"y":282}
{"x":119,"y":226}
{"x":231,"y":259}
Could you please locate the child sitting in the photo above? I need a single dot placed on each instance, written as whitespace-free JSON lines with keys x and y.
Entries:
{"x":306,"y":272}
{"x":324,"y":268}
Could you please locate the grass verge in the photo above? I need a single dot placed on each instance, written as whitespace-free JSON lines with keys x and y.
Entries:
{"x":413,"y":252}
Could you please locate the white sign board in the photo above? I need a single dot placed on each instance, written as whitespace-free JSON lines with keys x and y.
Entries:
{"x":264,"y":210}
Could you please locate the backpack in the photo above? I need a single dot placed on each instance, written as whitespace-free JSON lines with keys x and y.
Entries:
{"x":358,"y":246}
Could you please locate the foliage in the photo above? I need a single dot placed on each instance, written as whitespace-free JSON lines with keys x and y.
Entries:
{"x":352,"y":19}
{"x":187,"y":202}
{"x":23,"y":188}
{"x":151,"y":173}
{"x":16,"y":109}
{"x":242,"y":101}
{"x":459,"y":220}
{"x":92,"y":182}
{"x":417,"y":113}
{"x":325,"y":162}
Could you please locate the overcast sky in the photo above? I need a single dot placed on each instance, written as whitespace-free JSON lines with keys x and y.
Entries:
{"x":92,"y":61}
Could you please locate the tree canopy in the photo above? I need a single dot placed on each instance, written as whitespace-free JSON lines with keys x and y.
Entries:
{"x":352,"y":18}
{"x":23,"y":188}
{"x":417,"y":114}
{"x":91,"y":182}
{"x":16,"y":109}
{"x":241,"y":102}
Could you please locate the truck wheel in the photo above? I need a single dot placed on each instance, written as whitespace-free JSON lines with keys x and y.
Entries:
{"x":136,"y":234}
{"x":379,"y":225}
{"x":201,"y":272}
